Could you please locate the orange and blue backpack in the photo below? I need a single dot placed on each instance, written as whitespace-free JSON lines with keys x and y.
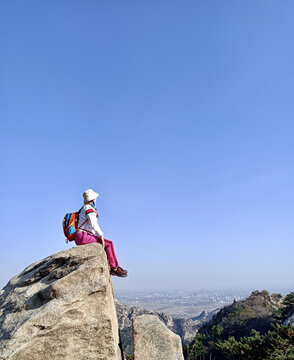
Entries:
{"x":70,"y":225}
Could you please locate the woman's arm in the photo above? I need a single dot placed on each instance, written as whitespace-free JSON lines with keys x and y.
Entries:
{"x":91,"y":215}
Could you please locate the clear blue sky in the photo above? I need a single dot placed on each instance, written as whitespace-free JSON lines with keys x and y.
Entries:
{"x":179,"y":113}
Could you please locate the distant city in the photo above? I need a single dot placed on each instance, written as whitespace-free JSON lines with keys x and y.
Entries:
{"x":179,"y":303}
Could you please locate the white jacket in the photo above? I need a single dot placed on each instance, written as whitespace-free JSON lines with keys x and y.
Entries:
{"x":88,"y":213}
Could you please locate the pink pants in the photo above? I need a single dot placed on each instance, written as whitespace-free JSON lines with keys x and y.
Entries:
{"x":83,"y":238}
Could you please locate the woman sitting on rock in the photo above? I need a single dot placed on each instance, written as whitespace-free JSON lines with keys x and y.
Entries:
{"x":90,"y":232}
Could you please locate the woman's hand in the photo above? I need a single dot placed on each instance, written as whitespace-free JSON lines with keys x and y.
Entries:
{"x":102,"y":240}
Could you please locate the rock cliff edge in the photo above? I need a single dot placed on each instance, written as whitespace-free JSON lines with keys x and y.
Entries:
{"x":61,"y":307}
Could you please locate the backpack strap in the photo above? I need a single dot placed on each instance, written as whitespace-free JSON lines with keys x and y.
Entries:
{"x":78,"y":219}
{"x":82,"y":224}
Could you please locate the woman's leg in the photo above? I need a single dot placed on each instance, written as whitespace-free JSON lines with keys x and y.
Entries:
{"x":109,"y":248}
{"x":83,"y":238}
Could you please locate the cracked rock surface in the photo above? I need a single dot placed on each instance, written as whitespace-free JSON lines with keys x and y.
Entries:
{"x":61,"y":307}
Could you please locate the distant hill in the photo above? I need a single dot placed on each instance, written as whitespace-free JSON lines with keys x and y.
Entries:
{"x":247,"y":329}
{"x":258,"y":311}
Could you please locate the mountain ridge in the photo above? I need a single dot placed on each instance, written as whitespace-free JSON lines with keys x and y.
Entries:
{"x":250,"y":329}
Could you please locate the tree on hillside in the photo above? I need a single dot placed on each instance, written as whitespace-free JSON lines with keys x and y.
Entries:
{"x":279,"y":343}
{"x":288,"y":302}
{"x":198,"y":349}
{"x":248,"y":348}
{"x":276,"y":344}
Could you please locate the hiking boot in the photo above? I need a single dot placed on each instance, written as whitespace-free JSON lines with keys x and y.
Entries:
{"x":118,"y":272}
{"x":123,"y":271}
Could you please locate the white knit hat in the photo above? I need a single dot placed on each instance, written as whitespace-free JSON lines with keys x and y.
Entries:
{"x":89,"y":195}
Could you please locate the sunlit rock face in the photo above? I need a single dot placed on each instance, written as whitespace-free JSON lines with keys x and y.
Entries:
{"x":154,"y":341}
{"x":290,"y":320}
{"x":61,"y":307}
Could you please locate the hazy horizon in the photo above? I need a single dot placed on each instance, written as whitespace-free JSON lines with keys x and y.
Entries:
{"x":119,"y":287}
